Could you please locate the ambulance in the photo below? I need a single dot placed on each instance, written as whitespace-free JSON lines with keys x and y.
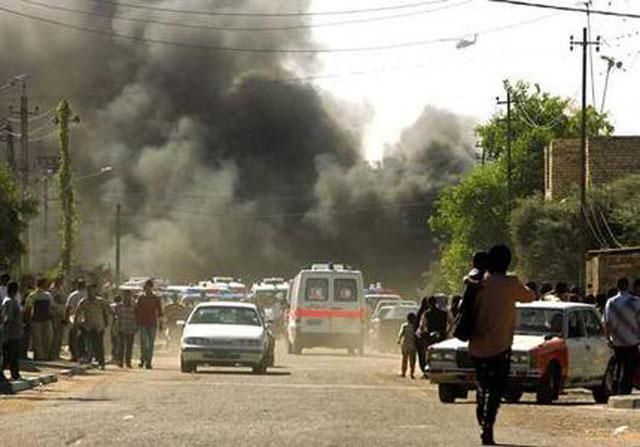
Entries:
{"x":327,"y":309}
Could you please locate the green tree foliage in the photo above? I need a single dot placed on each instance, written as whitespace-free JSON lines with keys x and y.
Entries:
{"x":14,"y":215}
{"x":474,"y":214}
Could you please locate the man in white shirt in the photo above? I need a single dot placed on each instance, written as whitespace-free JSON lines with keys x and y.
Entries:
{"x":77,"y":338}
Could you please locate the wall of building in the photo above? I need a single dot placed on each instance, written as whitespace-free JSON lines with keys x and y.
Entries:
{"x":608,"y":159}
{"x":604,"y":268}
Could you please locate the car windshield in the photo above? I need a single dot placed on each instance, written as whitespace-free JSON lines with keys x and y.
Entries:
{"x":533,"y":321}
{"x":399,"y":312}
{"x":225,"y":315}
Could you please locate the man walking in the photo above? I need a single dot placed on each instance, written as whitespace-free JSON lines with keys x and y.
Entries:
{"x":77,"y":344}
{"x":38,"y":309}
{"x":621,"y":318}
{"x":93,"y":313}
{"x":11,"y":315}
{"x":148,"y":315}
{"x":435,"y":322}
{"x":492,"y":336}
{"x":58,"y":317}
{"x":127,"y":327}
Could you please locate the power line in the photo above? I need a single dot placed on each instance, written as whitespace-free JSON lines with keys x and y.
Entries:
{"x":626,"y":15}
{"x":150,"y":40}
{"x":300,"y":26}
{"x":178,"y":44}
{"x":266,"y":14}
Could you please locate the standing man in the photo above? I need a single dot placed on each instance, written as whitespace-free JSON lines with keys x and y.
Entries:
{"x":127,"y":327}
{"x":148,"y":315}
{"x":11,"y":315}
{"x":173,"y":313}
{"x":4,"y":282}
{"x":93,"y":312}
{"x":436,"y":321}
{"x":58,"y":317}
{"x":77,"y":344}
{"x":38,"y":310}
{"x":621,"y":319}
{"x":492,"y":335}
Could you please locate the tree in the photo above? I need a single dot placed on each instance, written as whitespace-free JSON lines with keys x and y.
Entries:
{"x":15,"y":212}
{"x":68,"y":217}
{"x":474,"y":214}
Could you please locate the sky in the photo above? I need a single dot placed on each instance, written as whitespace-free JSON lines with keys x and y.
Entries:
{"x":514,"y":42}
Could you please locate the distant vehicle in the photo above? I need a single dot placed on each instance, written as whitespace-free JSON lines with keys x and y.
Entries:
{"x":225,"y":288}
{"x":384,"y":328}
{"x":327,"y":309}
{"x":136,"y":284}
{"x":373,"y":296}
{"x":556,"y":346}
{"x":390,"y":302}
{"x":270,"y":295}
{"x":226,"y":334}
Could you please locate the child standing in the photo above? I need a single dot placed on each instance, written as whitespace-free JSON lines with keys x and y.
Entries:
{"x":407,"y":341}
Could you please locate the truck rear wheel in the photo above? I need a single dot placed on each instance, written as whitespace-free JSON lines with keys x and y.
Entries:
{"x":447,"y":393}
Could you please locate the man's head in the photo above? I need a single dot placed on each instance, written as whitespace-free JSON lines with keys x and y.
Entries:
{"x":561,"y":288}
{"x":126,"y":297}
{"x":148,"y":286}
{"x":81,"y":284}
{"x":12,"y":289}
{"x":499,"y":259}
{"x":433,"y":301}
{"x":411,"y":318}
{"x":623,"y":284}
{"x":481,"y":260}
{"x":545,"y":288}
{"x":42,"y":283}
{"x":4,"y":279}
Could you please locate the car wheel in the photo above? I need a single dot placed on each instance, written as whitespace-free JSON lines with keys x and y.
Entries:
{"x":447,"y":393}
{"x":549,"y":387}
{"x":513,"y":396}
{"x":600,"y":394}
{"x":187,"y":367}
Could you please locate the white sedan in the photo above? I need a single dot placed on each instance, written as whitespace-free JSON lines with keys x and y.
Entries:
{"x":226,"y":334}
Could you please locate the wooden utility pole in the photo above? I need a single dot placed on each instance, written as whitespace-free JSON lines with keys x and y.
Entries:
{"x":117,"y":231}
{"x":584,"y":43}
{"x":508,"y":102}
{"x":11,"y":154}
{"x":24,"y":147}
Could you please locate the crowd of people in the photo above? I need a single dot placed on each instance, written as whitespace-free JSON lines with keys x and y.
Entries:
{"x":46,"y":322}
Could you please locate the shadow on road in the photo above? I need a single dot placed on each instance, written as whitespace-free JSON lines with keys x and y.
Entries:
{"x":64,"y":399}
{"x":243,"y":373}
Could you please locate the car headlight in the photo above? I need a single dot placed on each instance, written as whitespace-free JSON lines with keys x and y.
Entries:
{"x":194,"y":341}
{"x":250,"y":342}
{"x":521,"y":358}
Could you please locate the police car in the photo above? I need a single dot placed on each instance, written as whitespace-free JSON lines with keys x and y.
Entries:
{"x":556,"y":346}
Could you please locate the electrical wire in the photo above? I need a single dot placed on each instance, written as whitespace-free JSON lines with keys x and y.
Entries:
{"x":569,"y":8}
{"x":145,"y":40}
{"x":48,"y":114}
{"x":121,"y":17}
{"x":608,"y":228}
{"x":139,"y":6}
{"x":601,"y":243}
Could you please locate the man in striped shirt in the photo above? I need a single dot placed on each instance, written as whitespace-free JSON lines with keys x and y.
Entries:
{"x":622,"y":323}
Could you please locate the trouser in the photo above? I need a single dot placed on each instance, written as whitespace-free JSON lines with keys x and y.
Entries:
{"x":147,"y":340}
{"x":125,"y":348}
{"x":26,"y":341}
{"x":408,"y":359}
{"x":96,"y":341}
{"x":11,"y":356}
{"x":491,"y":374}
{"x":77,"y":343}
{"x":42,"y":338}
{"x":421,"y":350}
{"x":56,"y":343}
{"x":627,"y":361}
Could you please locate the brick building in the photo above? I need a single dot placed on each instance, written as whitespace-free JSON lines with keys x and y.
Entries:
{"x":604,"y":267}
{"x":608,"y":159}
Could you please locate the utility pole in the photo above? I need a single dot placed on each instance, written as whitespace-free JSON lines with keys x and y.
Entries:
{"x":11,"y":154}
{"x":118,"y":211}
{"x":508,"y":102}
{"x":45,"y":207}
{"x":584,"y":43}
{"x":24,"y":147}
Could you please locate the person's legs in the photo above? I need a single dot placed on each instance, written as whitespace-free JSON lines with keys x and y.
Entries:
{"x":422,"y":355}
{"x":128,"y":349}
{"x":99,"y":347}
{"x":73,"y":343}
{"x":144,"y":344}
{"x":14,"y":348}
{"x":492,"y":374}
{"x":37,"y":335}
{"x":121,"y":349}
{"x":628,"y":362}
{"x":152,"y":341}
{"x":412,"y":363}
{"x":405,"y":361}
{"x":47,"y":339}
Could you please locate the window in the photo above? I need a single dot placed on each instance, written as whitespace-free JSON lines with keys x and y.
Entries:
{"x":592,"y":324}
{"x":345,"y":290}
{"x":576,"y":328}
{"x":317,"y":289}
{"x":532,"y":321}
{"x":225,"y":315}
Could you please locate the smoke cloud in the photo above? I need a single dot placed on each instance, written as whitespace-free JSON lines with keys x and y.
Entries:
{"x":222,"y":167}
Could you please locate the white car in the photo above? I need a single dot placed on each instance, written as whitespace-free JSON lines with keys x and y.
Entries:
{"x":226,"y":334}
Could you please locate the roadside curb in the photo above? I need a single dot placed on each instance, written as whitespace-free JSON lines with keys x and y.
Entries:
{"x":18,"y":386}
{"x":625,"y":402}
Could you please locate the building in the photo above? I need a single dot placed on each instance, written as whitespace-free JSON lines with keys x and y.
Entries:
{"x":608,"y":159}
{"x":604,"y":267}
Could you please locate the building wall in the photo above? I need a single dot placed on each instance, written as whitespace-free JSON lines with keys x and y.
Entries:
{"x":608,"y":159}
{"x":605,"y":268}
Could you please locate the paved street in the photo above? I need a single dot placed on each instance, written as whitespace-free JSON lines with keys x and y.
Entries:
{"x":322,"y":398}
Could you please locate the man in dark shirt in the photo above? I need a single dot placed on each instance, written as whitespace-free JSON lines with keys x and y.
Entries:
{"x":148,"y":315}
{"x":13,"y":331}
{"x":436,"y":322}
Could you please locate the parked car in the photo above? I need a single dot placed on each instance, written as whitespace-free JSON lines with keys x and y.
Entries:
{"x":384,"y":328}
{"x":226,"y":334}
{"x":556,"y":346}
